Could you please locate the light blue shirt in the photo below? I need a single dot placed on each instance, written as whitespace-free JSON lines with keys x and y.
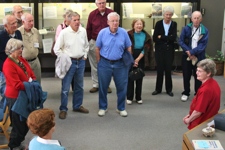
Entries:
{"x":113,"y":45}
{"x":166,"y":27}
{"x":139,"y":40}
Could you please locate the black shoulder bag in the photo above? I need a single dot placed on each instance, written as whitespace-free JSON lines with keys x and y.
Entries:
{"x":187,"y":40}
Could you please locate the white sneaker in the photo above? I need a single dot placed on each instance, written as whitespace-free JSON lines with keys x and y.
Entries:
{"x":102,"y":112}
{"x":139,"y":102}
{"x":122,"y":113}
{"x":129,"y":102}
{"x":184,"y":98}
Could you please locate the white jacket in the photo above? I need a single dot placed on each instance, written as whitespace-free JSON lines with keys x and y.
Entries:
{"x":62,"y":65}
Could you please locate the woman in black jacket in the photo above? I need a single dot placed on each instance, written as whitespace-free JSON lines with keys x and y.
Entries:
{"x":165,"y":34}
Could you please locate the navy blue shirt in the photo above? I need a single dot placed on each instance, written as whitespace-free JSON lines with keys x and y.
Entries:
{"x":4,"y":37}
{"x":113,"y":45}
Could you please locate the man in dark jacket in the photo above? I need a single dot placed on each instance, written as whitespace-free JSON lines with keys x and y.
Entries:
{"x":193,"y":40}
{"x":10,"y":31}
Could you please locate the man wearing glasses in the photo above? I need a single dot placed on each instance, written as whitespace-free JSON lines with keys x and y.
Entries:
{"x":10,"y":31}
{"x":18,"y":12}
{"x":31,"y":44}
{"x":97,"y":20}
{"x":110,"y":46}
{"x":193,"y":40}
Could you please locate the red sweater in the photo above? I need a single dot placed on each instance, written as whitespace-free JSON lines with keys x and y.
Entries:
{"x":15,"y":76}
{"x":206,"y":101}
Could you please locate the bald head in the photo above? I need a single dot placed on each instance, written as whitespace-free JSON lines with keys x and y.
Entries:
{"x":17,"y":11}
{"x":28,"y":21}
{"x":196,"y":18}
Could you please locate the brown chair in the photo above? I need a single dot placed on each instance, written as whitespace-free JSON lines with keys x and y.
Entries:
{"x":4,"y":124}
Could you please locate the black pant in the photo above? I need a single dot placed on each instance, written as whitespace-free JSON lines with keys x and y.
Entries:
{"x":19,"y":128}
{"x":130,"y":85}
{"x":164,"y":55}
{"x":188,"y":70}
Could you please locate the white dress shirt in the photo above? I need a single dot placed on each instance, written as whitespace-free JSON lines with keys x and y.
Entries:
{"x":74,"y":44}
{"x":196,"y":36}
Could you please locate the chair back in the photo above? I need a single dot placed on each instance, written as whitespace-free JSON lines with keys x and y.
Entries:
{"x":5,"y":123}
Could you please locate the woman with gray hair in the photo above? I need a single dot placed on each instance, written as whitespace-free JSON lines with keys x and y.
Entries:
{"x":206,"y":102}
{"x":65,"y":23}
{"x":16,"y":71}
{"x":165,"y":34}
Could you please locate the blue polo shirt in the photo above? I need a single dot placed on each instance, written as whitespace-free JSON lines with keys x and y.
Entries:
{"x":113,"y":45}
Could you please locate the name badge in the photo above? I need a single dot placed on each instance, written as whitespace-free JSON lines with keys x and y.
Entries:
{"x":36,"y":45}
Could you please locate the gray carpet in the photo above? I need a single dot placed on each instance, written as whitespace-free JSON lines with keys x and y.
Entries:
{"x":155,"y":125}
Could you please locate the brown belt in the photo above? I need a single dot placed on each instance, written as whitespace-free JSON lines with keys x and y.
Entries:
{"x":111,"y":60}
{"x":77,"y":58}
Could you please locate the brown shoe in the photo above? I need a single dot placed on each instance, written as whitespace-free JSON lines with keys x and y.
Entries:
{"x":82,"y":110}
{"x":109,"y":90}
{"x":62,"y":114}
{"x":93,"y":90}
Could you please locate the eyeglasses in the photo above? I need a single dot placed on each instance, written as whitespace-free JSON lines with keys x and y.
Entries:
{"x":101,"y":3}
{"x":169,"y":15}
{"x":116,"y":21}
{"x":13,"y":23}
{"x":20,"y":48}
{"x":199,"y":71}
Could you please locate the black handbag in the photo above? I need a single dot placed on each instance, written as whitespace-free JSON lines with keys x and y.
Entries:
{"x":136,"y":74}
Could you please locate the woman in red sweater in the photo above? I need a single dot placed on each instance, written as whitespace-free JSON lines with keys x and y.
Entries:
{"x":16,"y":71}
{"x":206,"y":102}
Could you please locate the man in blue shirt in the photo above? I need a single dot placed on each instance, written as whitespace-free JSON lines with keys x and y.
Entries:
{"x":110,"y":45}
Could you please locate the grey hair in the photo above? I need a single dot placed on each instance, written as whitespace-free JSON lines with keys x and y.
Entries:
{"x":67,"y":12}
{"x":13,"y":9}
{"x":168,"y":9}
{"x":208,"y":66}
{"x":113,"y":14}
{"x":72,"y":14}
{"x":96,"y":1}
{"x":12,"y":45}
{"x":5,"y":19}
{"x":197,"y":12}
{"x":23,"y":17}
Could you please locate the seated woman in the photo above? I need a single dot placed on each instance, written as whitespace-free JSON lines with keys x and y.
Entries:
{"x":16,"y":71}
{"x":206,"y":102}
{"x":41,"y":122}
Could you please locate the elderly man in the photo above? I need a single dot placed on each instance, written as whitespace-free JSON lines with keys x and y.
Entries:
{"x":193,"y":40}
{"x":18,"y":12}
{"x":30,"y":44}
{"x":10,"y":31}
{"x":73,"y":42}
{"x":110,"y":45}
{"x":97,"y":20}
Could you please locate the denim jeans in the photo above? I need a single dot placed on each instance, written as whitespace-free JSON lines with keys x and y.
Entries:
{"x":76,"y":71}
{"x":119,"y":71}
{"x":2,"y":88}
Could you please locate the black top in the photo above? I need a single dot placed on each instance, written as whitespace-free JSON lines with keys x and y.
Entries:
{"x":159,"y":30}
{"x":4,"y":37}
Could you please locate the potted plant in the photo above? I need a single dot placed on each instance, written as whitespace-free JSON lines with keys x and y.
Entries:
{"x":219,"y":61}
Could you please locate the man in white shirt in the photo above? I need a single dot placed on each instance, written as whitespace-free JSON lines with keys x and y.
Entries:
{"x":73,"y":42}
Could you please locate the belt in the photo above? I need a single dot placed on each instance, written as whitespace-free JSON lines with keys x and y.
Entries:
{"x":29,"y":60}
{"x":111,"y":60}
{"x":77,"y":58}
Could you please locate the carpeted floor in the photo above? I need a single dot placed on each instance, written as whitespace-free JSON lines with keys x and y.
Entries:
{"x":155,"y":125}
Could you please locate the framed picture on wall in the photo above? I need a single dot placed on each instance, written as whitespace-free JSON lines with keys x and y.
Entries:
{"x":157,"y":10}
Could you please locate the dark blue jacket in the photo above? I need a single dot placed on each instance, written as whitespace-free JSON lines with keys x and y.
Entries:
{"x":199,"y":51}
{"x":4,"y":37}
{"x":29,"y":100}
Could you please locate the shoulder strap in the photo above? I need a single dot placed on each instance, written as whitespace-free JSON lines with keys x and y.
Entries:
{"x":62,"y":26}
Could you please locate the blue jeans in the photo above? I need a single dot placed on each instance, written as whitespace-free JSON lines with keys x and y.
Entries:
{"x":2,"y":88}
{"x":119,"y":72}
{"x":76,"y":71}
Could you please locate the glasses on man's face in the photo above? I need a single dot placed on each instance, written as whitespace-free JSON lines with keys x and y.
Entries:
{"x":20,"y":12}
{"x":103,"y":3}
{"x":114,"y":21}
{"x":13,"y":23}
